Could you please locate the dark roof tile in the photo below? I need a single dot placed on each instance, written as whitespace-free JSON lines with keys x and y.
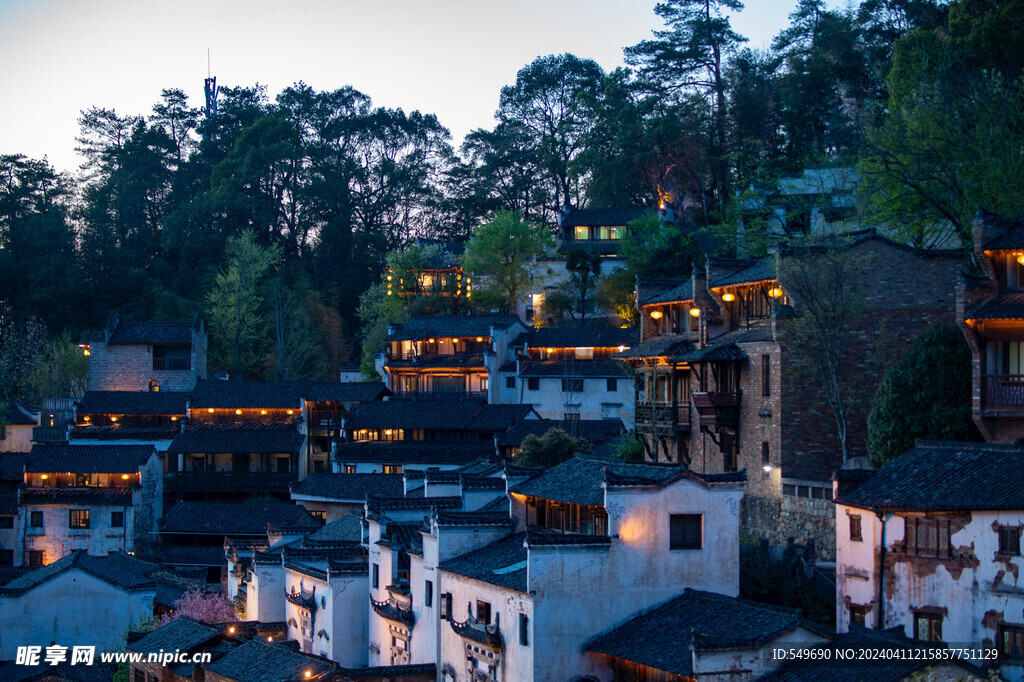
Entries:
{"x":133,"y":402}
{"x":1002,"y":307}
{"x":672,"y":294}
{"x":599,"y":217}
{"x":583,"y":337}
{"x":660,"y":347}
{"x":420,"y":327}
{"x":573,"y":368}
{"x":116,"y":568}
{"x":143,"y":432}
{"x":257,"y":661}
{"x":151,"y":332}
{"x":224,"y":518}
{"x":232,"y":438}
{"x":88,"y":459}
{"x":279,"y":395}
{"x":760,"y":271}
{"x":17,"y":415}
{"x":501,"y":563}
{"x":182,"y":634}
{"x":349,"y":487}
{"x":413,"y":453}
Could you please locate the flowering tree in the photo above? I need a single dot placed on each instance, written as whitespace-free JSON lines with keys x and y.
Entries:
{"x":207,"y":607}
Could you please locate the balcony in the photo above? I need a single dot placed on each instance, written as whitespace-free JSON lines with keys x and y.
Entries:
{"x":229,"y":482}
{"x":663,"y":415}
{"x":474,"y":360}
{"x":717,"y":410}
{"x":1004,"y":394}
{"x":326,"y":419}
{"x":172,"y":364}
{"x":439,"y":395}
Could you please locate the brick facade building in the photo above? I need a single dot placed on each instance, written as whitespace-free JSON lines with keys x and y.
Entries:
{"x":720,"y":389}
{"x":141,"y":356}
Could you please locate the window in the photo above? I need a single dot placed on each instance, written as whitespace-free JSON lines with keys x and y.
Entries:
{"x":857,"y":615}
{"x":612,"y":384}
{"x":446,"y":605}
{"x":1010,"y":640}
{"x":571,"y":416}
{"x":582,"y":232}
{"x":510,"y":382}
{"x":350,"y":468}
{"x":78,"y":518}
{"x":117,"y":519}
{"x":35,"y":519}
{"x":319,"y":466}
{"x":392,"y":468}
{"x":483,"y":612}
{"x":1009,"y":540}
{"x":320,"y":516}
{"x":766,"y":375}
{"x":927,"y":537}
{"x":685,"y":531}
{"x":6,"y":557}
{"x":6,"y":522}
{"x":766,"y":457}
{"x":609,"y":232}
{"x":928,"y":626}
{"x":584,"y":353}
{"x":140,"y":675}
{"x":524,"y":637}
{"x":428,"y":594}
{"x":572,"y":385}
{"x":35,"y":557}
{"x":533,"y":384}
{"x":855,"y":529}
{"x":376,"y":576}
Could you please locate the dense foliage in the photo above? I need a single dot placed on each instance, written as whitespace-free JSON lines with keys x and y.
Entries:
{"x":926,"y":394}
{"x":922,"y":96}
{"x":551,"y":449}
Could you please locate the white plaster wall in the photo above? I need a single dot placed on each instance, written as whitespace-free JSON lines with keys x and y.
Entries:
{"x":73,"y":608}
{"x":758,"y":661}
{"x":346,"y":620}
{"x":857,"y":565}
{"x":17,"y":439}
{"x":56,"y":539}
{"x":594,"y":402}
{"x":266,"y":593}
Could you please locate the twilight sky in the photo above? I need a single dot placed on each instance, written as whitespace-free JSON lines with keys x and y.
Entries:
{"x":448,"y":57}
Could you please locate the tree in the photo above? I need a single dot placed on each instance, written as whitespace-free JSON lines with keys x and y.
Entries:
{"x":501,"y":257}
{"x":236,"y":325}
{"x":297,"y":352}
{"x":628,"y":447}
{"x":925,"y":394}
{"x":689,"y":56}
{"x":206,"y":607}
{"x":551,"y":449}
{"x":576,"y":292}
{"x":823,"y":282}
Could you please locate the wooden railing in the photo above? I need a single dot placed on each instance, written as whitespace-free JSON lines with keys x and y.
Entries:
{"x":649,"y":414}
{"x":438,"y":395}
{"x":326,"y":419}
{"x":1004,"y":390}
{"x":172,"y":363}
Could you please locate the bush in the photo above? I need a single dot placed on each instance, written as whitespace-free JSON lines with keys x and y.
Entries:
{"x":629,"y":447}
{"x":554,"y":447}
{"x":926,"y":394}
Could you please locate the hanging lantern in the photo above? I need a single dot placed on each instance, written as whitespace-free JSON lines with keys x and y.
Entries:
{"x":728,"y":298}
{"x":656,"y":314}
{"x":775,"y":292}
{"x":695,"y":312}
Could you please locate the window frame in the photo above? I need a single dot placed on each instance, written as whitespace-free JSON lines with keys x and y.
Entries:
{"x":934,"y":625}
{"x":1008,"y":635}
{"x":1009,"y":540}
{"x":766,"y":376}
{"x":33,"y":554}
{"x":510,"y":382}
{"x":856,"y":528}
{"x":375,"y":576}
{"x":532,"y":383}
{"x":677,"y":542}
{"x":611,"y":384}
{"x":428,"y":594}
{"x":32,"y":516}
{"x":112,"y":517}
{"x":79,"y":524}
{"x":524,"y":632}
{"x":483,"y":607}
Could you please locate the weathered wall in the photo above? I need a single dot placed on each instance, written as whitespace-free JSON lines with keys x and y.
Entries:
{"x":56,"y":539}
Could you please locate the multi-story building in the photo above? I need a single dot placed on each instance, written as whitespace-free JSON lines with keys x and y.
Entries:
{"x":99,"y":499}
{"x":129,"y":417}
{"x":569,"y":373}
{"x":989,"y":312}
{"x":931,"y":543}
{"x":448,"y":356}
{"x":147,"y":356}
{"x":719,"y":389}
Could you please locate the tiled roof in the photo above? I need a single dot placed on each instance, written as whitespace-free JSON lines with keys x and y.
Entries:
{"x":248,"y":438}
{"x":897,"y":668}
{"x":172,"y":555}
{"x":116,"y":568}
{"x":420,"y":327}
{"x":349,"y":487}
{"x":12,"y":466}
{"x":280,"y":394}
{"x":385,"y":504}
{"x":182,"y":634}
{"x":144,"y":432}
{"x":724,"y":347}
{"x":501,"y":563}
{"x":946,"y":476}
{"x":85,"y":495}
{"x":88,"y":459}
{"x":573,"y":368}
{"x":151,"y":332}
{"x":347,"y":528}
{"x":598,"y":217}
{"x":15,"y":415}
{"x":579,"y":479}
{"x":133,"y":402}
{"x":1011,"y":234}
{"x":585,"y":337}
{"x":1002,"y":307}
{"x":593,"y":430}
{"x":447,"y":415}
{"x":9,"y":573}
{"x":225,"y":518}
{"x":660,"y":347}
{"x":8,"y":504}
{"x":760,"y":271}
{"x":473,"y":518}
{"x":412,"y":453}
{"x":678,"y":292}
{"x":662,"y":637}
{"x":390,"y":672}
{"x":257,"y":661}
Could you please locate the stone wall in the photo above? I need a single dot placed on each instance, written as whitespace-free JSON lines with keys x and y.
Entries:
{"x":777,"y":519}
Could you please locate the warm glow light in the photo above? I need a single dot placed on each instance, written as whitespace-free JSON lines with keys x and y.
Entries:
{"x":45,"y":476}
{"x":85,"y":352}
{"x":387,"y":431}
{"x":291,"y":411}
{"x":124,"y":477}
{"x":622,"y":348}
{"x":174,"y":419}
{"x":270,"y":639}
{"x":728,"y":298}
{"x":210,"y":410}
{"x":430,"y":340}
{"x":767,"y":468}
{"x":263,"y":411}
{"x":775,"y":292}
{"x":389,"y":292}
{"x":389,"y":278}
{"x":551,"y":350}
{"x":455,"y":340}
{"x":308,"y":674}
{"x":656,"y":314}
{"x":238,"y":412}
{"x":86,"y":418}
{"x":113,"y":419}
{"x":1020,"y":259}
{"x":231,"y":629}
{"x":479,"y":339}
{"x":695,"y":312}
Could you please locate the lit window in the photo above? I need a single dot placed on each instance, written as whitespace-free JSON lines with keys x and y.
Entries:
{"x":582,"y":232}
{"x":78,"y":518}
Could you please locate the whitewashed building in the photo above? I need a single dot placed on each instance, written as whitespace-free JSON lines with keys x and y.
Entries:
{"x":944,"y":522}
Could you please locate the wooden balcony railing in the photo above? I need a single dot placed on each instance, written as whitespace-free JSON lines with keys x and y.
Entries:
{"x":717,"y":409}
{"x":663,"y":414}
{"x":326,"y":419}
{"x":1004,"y":390}
{"x":49,"y":434}
{"x":438,"y":395}
{"x":172,"y":363}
